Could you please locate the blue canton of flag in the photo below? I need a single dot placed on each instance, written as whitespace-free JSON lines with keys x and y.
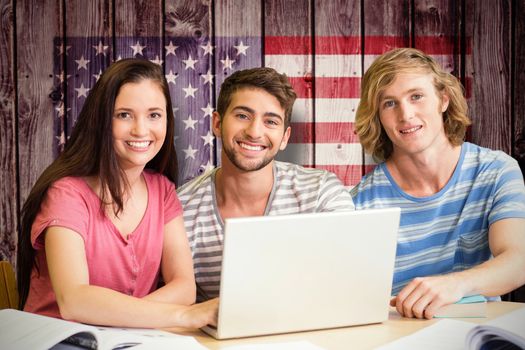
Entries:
{"x":192,"y":69}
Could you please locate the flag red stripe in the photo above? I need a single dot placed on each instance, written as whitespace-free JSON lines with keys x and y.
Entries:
{"x":324,"y":133}
{"x":339,"y":45}
{"x":327,"y":87}
{"x":351,"y":45}
{"x":302,"y":45}
{"x":334,"y":87}
{"x":377,"y":45}
{"x":287,"y":45}
{"x":302,"y":86}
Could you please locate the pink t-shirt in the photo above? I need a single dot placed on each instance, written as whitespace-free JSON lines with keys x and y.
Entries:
{"x":131,"y":267}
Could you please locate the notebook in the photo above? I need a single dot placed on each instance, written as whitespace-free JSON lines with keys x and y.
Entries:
{"x":303,"y":272}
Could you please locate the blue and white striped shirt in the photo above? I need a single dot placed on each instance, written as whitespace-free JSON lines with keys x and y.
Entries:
{"x":448,"y":231}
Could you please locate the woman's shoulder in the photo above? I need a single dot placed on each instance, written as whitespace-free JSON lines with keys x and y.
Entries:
{"x":157,"y":180}
{"x":71,"y":185}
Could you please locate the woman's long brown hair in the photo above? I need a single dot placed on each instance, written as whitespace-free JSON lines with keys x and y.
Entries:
{"x":90,"y":152}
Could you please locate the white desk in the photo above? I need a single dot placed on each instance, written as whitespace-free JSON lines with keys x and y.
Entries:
{"x":358,"y":337}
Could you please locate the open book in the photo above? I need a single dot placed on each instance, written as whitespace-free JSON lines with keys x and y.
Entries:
{"x":504,"y":332}
{"x":23,"y":330}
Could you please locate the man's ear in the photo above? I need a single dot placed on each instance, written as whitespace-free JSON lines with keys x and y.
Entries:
{"x":444,"y":102}
{"x":216,"y":124}
{"x":286,"y":137}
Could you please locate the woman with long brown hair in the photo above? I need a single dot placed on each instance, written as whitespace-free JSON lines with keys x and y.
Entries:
{"x":103,"y":221}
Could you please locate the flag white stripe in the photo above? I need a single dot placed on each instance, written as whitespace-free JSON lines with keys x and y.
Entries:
{"x":325,"y":65}
{"x":335,"y":109}
{"x":325,"y":153}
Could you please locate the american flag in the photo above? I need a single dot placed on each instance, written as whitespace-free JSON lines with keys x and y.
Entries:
{"x":325,"y":72}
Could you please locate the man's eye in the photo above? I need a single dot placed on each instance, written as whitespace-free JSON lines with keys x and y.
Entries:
{"x":389,"y":104}
{"x":417,"y":96}
{"x":272,"y":122}
{"x":242,"y":116}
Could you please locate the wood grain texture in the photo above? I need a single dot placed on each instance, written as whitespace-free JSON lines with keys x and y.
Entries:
{"x":293,"y":19}
{"x":40,"y":90}
{"x":8,"y":171}
{"x":488,"y":29}
{"x":437,"y":32}
{"x":338,"y":68}
{"x":387,"y":17}
{"x":233,"y":26}
{"x":386,"y":26}
{"x":519,"y":82}
{"x":187,"y":28}
{"x":135,"y":20}
{"x":236,"y":22}
{"x":88,"y":24}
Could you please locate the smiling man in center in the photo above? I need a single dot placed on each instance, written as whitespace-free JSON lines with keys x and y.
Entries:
{"x":253,"y":122}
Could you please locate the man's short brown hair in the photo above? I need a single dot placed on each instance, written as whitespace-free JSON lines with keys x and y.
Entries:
{"x":265,"y":78}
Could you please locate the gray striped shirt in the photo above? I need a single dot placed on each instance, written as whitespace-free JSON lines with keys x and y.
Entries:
{"x":295,"y":190}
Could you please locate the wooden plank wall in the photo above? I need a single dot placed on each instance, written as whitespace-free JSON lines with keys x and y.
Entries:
{"x":53,"y":51}
{"x":8,"y":168}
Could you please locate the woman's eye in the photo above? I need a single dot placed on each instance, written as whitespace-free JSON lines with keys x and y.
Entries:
{"x":155,"y":115}
{"x":123,"y":115}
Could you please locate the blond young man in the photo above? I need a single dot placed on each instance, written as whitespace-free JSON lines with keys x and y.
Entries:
{"x":253,"y":123}
{"x":462,"y":229}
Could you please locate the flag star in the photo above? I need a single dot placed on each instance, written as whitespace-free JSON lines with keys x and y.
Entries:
{"x":61,"y":139}
{"x":189,"y":123}
{"x":171,"y":77}
{"x":157,"y":60}
{"x":62,"y":49}
{"x":82,"y":91}
{"x":227,"y":63}
{"x":208,"y":110}
{"x":208,"y":78}
{"x":208,"y":139}
{"x":208,"y":48}
{"x":190,"y":63}
{"x":61,"y":77}
{"x":137,"y":49}
{"x":190,"y":91}
{"x":170,"y":49}
{"x":175,"y":109}
{"x":208,"y":166}
{"x":119,"y":57}
{"x":61,"y":110}
{"x":189,"y":152}
{"x":241,"y":49}
{"x":82,"y":63}
{"x":97,"y":76}
{"x":100,"y":48}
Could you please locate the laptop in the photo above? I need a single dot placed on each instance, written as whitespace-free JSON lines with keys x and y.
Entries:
{"x":302,"y":272}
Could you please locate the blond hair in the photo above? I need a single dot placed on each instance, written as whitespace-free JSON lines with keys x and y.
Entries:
{"x":381,"y":74}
